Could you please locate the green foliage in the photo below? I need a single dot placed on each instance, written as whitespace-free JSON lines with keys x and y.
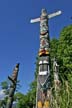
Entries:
{"x":53,"y":47}
{"x":32,"y":91}
{"x":25,"y":101}
{"x":65,"y":47}
{"x":4,"y":85}
{"x":37,"y":67}
{"x":21,"y":99}
{"x":64,"y":55}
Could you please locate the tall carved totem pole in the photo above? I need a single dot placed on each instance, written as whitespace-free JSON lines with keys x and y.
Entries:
{"x":43,"y":82}
{"x":13,"y":80}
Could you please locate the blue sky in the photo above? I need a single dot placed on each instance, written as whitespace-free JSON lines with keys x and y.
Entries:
{"x":19,"y":40}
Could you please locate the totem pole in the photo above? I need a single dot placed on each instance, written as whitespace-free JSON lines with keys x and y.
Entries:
{"x":43,"y":82}
{"x":13,"y":80}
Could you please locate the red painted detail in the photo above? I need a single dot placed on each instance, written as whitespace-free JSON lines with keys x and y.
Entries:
{"x":42,"y":52}
{"x":43,"y":42}
{"x":43,"y":18}
{"x":43,"y":33}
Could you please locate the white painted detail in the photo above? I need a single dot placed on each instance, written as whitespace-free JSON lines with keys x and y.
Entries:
{"x":46,"y":62}
{"x":49,"y":16}
{"x":40,"y":62}
{"x":34,"y":20}
{"x":43,"y":72}
{"x":54,"y":14}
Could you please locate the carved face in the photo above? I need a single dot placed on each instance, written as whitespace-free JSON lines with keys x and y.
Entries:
{"x":43,"y":12}
{"x":43,"y":43}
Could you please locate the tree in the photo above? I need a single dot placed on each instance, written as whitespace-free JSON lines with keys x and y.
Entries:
{"x":63,"y":51}
{"x":54,"y":47}
{"x":64,"y":54}
{"x":5,"y":87}
{"x":65,"y":47}
{"x":21,"y":100}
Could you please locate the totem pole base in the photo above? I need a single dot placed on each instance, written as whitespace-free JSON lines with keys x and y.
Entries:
{"x":43,"y":105}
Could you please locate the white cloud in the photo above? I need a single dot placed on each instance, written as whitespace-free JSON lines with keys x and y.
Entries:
{"x":2,"y":94}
